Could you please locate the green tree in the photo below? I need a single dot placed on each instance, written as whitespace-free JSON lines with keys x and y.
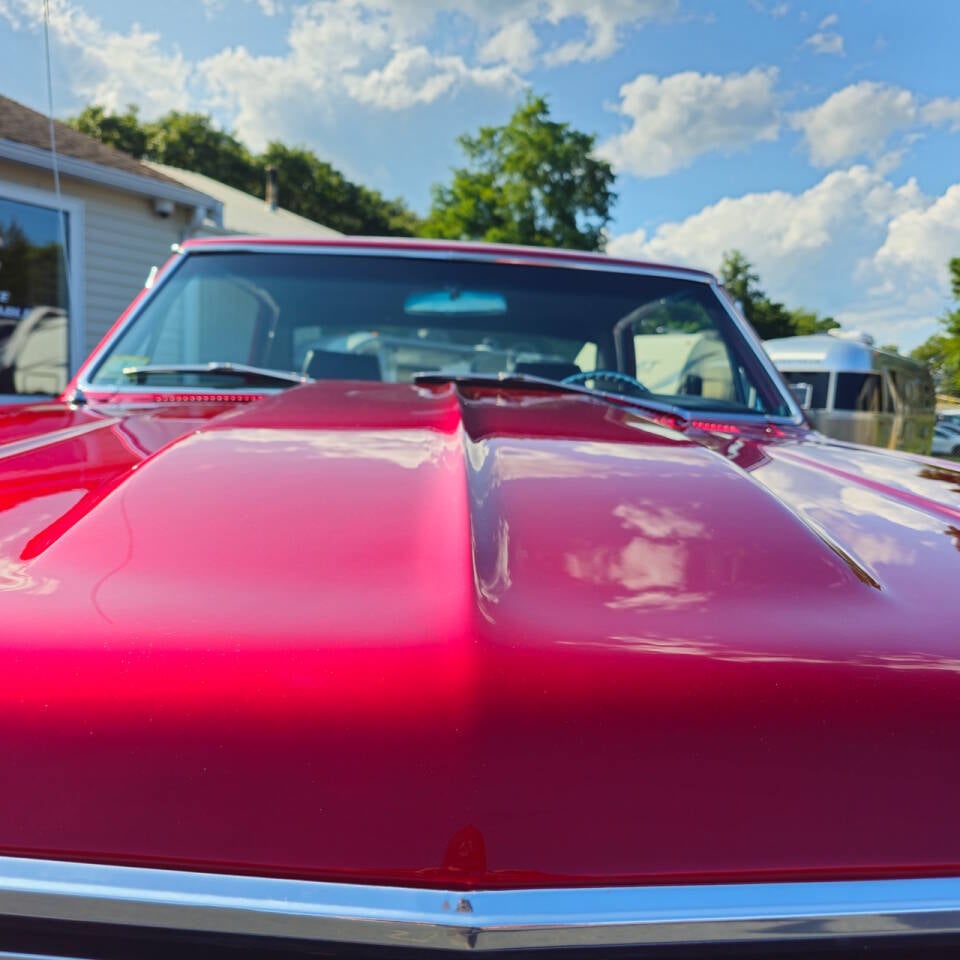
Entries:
{"x":533,"y":181}
{"x":192,"y":141}
{"x":313,"y":188}
{"x":120,"y":130}
{"x":809,"y":321}
{"x":941,"y":352}
{"x":768,"y":317}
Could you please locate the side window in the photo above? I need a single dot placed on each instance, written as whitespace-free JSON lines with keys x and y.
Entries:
{"x":212,"y":320}
{"x":226,"y":318}
{"x":859,"y":391}
{"x":677,"y":351}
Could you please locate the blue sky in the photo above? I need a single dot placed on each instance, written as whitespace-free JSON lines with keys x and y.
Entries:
{"x":821,"y":138}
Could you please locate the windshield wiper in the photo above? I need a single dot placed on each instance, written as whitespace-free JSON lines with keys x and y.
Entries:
{"x":140,"y":373}
{"x":524,"y":381}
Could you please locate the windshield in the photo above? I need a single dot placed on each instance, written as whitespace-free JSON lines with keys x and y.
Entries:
{"x":390,"y":318}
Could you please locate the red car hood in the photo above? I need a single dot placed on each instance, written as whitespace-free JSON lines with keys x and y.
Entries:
{"x":443,"y":637}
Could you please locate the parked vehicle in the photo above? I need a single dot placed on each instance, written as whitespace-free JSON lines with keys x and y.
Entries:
{"x":946,"y":440}
{"x":33,"y":358}
{"x":375,"y":598}
{"x":949,"y":420}
{"x":853,"y":391}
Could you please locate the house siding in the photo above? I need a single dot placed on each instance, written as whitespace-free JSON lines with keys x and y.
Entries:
{"x":122,"y":238}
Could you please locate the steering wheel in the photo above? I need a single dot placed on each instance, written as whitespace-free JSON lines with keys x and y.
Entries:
{"x":620,"y":382}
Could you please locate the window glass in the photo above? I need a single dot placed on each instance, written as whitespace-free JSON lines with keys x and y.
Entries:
{"x":858,"y":391}
{"x":678,"y":350}
{"x":33,"y":300}
{"x":819,"y":384}
{"x":389,"y":318}
{"x":195,"y":322}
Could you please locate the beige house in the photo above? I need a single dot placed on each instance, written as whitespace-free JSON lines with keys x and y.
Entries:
{"x":948,"y":405}
{"x":70,"y":263}
{"x":242,"y":213}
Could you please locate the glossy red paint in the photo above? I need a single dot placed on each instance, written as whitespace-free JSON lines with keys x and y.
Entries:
{"x":466,"y":638}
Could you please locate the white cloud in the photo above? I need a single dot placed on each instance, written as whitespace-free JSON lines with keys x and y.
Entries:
{"x":771,"y":228}
{"x":861,"y":119}
{"x":339,"y":53}
{"x":604,"y":22}
{"x":106,"y":66}
{"x":922,"y":240}
{"x":514,"y":44}
{"x":414,"y":75}
{"x":944,"y":111}
{"x":373,"y":52}
{"x":776,"y":10}
{"x":857,"y":120}
{"x":213,"y":8}
{"x":825,"y":42}
{"x":9,"y":13}
{"x":675,"y":119}
{"x":854,"y":245}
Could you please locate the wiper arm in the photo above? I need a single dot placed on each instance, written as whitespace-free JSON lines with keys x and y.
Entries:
{"x":140,"y":373}
{"x":523,"y":381}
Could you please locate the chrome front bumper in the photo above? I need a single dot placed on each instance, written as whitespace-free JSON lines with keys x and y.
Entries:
{"x":489,"y":920}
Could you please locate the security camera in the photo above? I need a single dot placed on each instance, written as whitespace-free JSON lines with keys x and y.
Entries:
{"x":163,"y":208}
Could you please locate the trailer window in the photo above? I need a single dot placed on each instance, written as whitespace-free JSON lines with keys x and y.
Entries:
{"x":819,"y":384}
{"x":859,"y":391}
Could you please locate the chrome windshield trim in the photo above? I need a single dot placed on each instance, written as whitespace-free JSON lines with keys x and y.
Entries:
{"x":487,"y":920}
{"x":756,"y":344}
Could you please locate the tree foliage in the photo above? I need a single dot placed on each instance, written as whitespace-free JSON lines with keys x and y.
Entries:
{"x":316,"y":186}
{"x":533,"y":181}
{"x":191,"y":141}
{"x":942,"y":351}
{"x":768,"y":317}
{"x":309,"y":186}
{"x":121,"y":130}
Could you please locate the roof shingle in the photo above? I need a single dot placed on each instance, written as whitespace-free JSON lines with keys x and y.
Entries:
{"x":23,"y":125}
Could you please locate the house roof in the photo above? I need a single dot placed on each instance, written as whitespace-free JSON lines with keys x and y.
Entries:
{"x":23,"y":125}
{"x":25,"y":137}
{"x":243,"y":213}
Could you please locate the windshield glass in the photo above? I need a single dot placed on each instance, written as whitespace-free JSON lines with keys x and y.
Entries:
{"x":389,"y":318}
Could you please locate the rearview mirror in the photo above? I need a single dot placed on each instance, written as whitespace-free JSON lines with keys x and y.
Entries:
{"x":454,"y":301}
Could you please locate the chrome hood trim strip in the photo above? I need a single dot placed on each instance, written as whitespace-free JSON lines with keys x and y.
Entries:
{"x":28,"y":444}
{"x":477,"y":920}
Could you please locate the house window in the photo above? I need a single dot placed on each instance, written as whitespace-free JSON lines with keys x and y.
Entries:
{"x":34,"y":297}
